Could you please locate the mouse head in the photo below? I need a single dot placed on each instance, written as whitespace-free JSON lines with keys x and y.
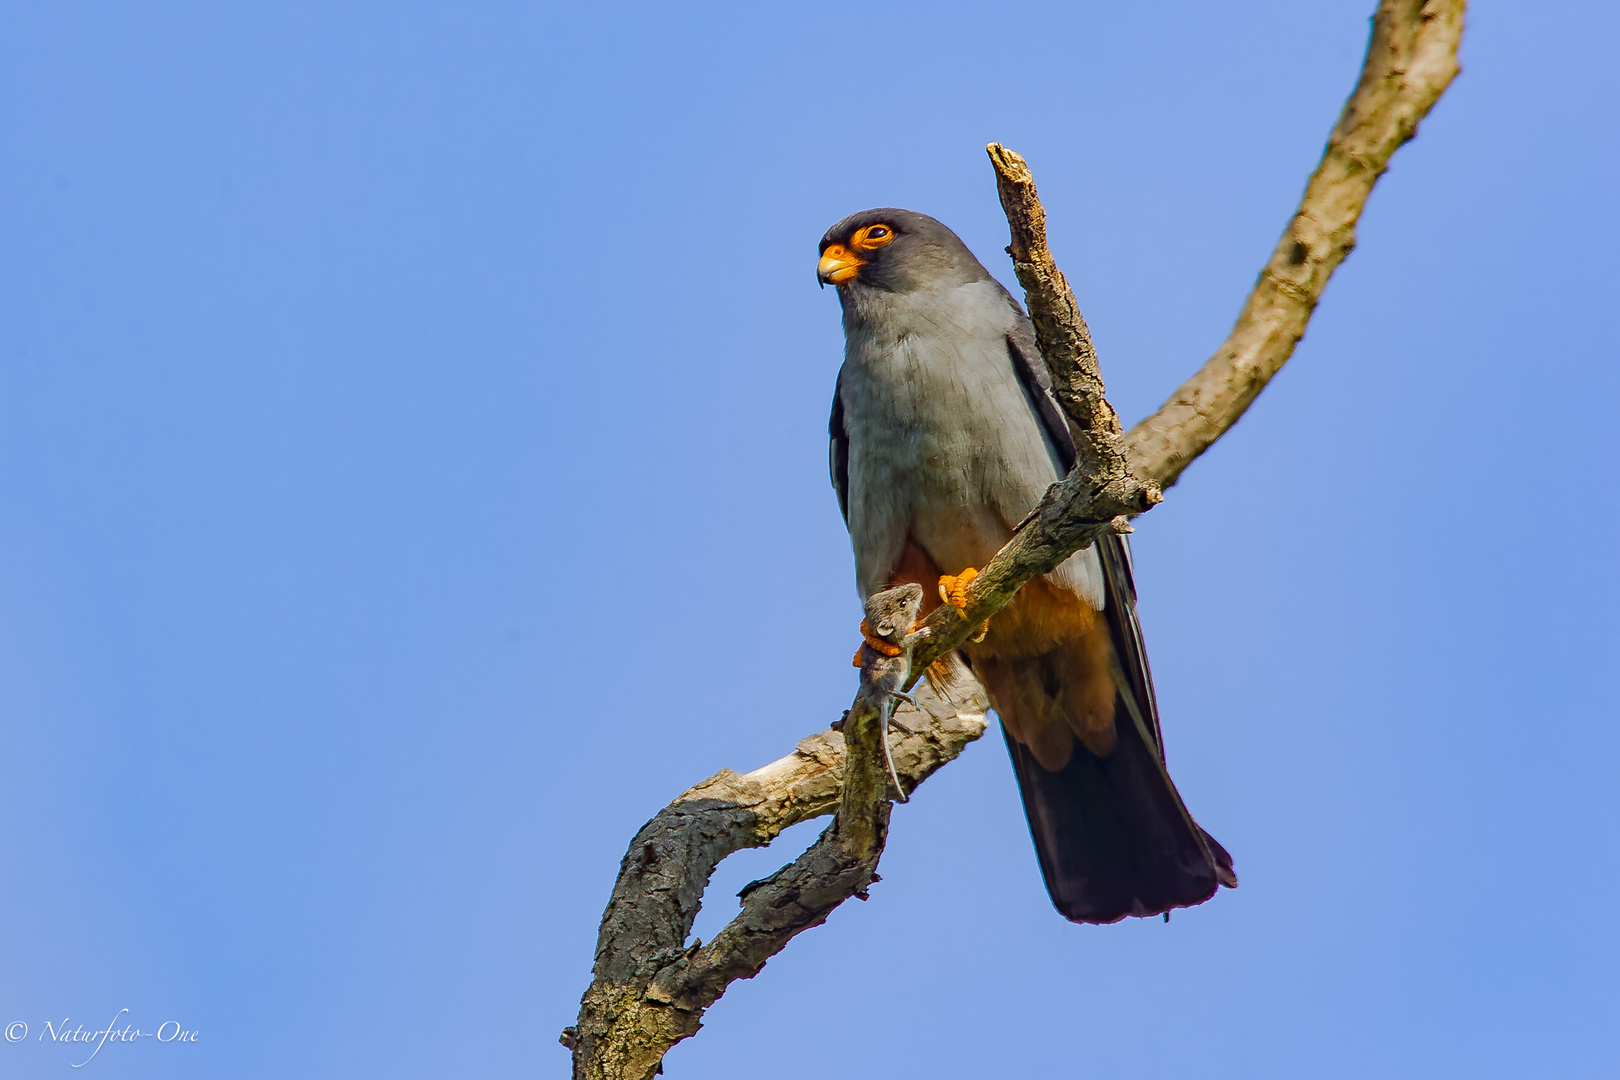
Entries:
{"x":893,"y":611}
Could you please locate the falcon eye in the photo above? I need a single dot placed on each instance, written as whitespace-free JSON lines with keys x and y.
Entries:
{"x":872,"y":237}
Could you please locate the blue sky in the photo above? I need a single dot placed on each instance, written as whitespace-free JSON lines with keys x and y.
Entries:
{"x":412,"y":475}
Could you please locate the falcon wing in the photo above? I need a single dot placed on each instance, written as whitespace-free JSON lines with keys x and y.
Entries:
{"x":1135,"y":677}
{"x":1031,"y":369}
{"x":838,"y":449}
{"x":1119,"y":585}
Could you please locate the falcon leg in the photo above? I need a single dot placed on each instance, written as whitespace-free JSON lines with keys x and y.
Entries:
{"x":953,"y":590}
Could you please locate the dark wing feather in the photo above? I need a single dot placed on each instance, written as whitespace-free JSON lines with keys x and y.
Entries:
{"x":1137,"y":689}
{"x":838,"y":449}
{"x":1119,"y":584}
{"x":1119,"y":593}
{"x":1031,"y":369}
{"x":1142,"y":792}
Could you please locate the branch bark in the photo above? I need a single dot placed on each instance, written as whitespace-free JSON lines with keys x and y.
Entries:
{"x":650,"y":988}
{"x":1411,"y":59}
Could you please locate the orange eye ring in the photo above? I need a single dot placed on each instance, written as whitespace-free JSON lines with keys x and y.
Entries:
{"x":872,"y":237}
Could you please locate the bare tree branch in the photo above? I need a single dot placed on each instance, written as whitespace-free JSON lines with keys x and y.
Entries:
{"x":650,"y":988}
{"x":1411,"y":59}
{"x":1060,"y":329}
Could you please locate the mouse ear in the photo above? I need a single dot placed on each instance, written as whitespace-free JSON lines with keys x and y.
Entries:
{"x":885,"y":628}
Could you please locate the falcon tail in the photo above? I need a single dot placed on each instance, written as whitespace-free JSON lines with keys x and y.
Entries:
{"x":1111,"y":832}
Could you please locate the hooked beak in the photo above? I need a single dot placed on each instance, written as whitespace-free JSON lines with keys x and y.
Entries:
{"x":838,"y":265}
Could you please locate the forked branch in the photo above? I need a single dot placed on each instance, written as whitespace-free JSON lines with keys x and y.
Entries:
{"x":650,"y":987}
{"x":1411,"y":59}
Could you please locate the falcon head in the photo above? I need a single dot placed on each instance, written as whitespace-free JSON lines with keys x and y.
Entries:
{"x":895,"y":251}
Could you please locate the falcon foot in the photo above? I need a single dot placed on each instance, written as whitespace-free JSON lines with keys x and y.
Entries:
{"x":953,"y":590}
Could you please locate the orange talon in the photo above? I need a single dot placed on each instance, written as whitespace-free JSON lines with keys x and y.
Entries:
{"x":953,"y":588}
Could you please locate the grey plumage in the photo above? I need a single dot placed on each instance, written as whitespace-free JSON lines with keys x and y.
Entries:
{"x":943,"y":436}
{"x":935,"y":384}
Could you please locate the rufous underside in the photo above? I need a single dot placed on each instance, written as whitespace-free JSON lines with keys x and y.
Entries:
{"x":1047,"y":663}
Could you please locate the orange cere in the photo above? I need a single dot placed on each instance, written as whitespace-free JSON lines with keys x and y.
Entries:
{"x":838,"y":265}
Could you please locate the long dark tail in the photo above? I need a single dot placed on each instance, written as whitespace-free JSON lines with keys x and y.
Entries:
{"x":1111,"y":832}
{"x":1112,"y":835}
